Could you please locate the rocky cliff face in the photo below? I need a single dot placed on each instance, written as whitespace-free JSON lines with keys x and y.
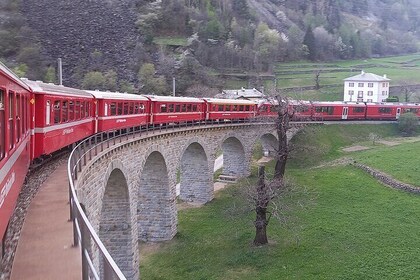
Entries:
{"x":82,"y":32}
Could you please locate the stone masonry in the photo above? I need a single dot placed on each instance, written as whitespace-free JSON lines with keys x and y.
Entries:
{"x":128,"y":190}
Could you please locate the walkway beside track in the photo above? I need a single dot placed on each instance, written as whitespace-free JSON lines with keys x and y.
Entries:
{"x":45,"y":248}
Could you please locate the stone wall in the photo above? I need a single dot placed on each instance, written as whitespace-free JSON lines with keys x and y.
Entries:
{"x":386,"y":179}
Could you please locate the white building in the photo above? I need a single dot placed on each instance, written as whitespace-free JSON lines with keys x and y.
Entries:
{"x":366,"y":87}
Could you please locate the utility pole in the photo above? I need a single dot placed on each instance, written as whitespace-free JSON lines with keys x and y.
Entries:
{"x":173,"y":86}
{"x":60,"y":72}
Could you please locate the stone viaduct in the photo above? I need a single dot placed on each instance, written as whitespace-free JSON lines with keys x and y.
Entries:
{"x":128,"y":190}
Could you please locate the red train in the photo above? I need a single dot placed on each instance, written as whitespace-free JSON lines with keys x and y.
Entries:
{"x":337,"y":110}
{"x":37,"y":119}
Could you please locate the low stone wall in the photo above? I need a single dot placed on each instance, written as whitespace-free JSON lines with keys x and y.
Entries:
{"x":387,"y":180}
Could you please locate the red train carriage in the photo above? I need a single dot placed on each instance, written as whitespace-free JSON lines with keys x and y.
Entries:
{"x":15,"y":125}
{"x":383,"y":111}
{"x":338,"y":111}
{"x":63,"y":116}
{"x":170,"y":109}
{"x":116,"y":110}
{"x":229,"y":109}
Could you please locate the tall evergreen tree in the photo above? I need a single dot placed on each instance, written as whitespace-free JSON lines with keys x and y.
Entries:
{"x":309,"y":41}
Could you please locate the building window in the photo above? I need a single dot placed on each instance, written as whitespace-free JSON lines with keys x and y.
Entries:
{"x":360,"y":94}
{"x":370,"y":100}
{"x":351,"y":84}
{"x":370,"y":84}
{"x":361,"y":85}
{"x":370,"y":93}
{"x":359,"y":99}
{"x":351,"y":92}
{"x":384,"y":92}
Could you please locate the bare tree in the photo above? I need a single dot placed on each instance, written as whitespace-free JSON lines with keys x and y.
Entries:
{"x":268,"y":190}
{"x":317,"y":73}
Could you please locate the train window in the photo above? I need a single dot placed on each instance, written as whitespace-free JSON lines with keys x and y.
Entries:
{"x":141,"y":108}
{"x":325,"y":109}
{"x":65,"y":111}
{"x":113,"y":108}
{"x":71,"y":110}
{"x":384,"y":110}
{"x":241,"y":107}
{"x":263,"y":108}
{"x":189,"y":107}
{"x":119,"y":108}
{"x":220,"y":108}
{"x":11,"y":120}
{"x":131,"y":108}
{"x":177,"y":108}
{"x":126,"y":106}
{"x":77,"y":110}
{"x":18,"y":118}
{"x":358,"y":110}
{"x":301,"y":108}
{"x":171,"y":108}
{"x":87,"y":109}
{"x":2,"y":125}
{"x":194,"y":108}
{"x":411,"y":110}
{"x":82,"y":109}
{"x":234,"y":107}
{"x":247,"y":108}
{"x":163,"y":108}
{"x":57,"y":113}
{"x":184,"y":107}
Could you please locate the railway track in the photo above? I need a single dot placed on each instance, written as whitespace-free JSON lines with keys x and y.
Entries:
{"x":36,"y":176}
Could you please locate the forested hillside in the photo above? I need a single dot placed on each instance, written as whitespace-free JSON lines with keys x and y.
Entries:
{"x":140,"y":45}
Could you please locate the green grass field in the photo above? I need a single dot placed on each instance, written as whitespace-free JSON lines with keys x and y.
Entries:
{"x":356,"y":229}
{"x":400,"y":69}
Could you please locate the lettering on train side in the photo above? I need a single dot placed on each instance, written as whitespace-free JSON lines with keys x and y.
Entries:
{"x":7,"y":187}
{"x":68,"y":131}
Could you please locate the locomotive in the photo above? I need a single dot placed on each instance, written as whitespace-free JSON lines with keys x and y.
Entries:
{"x":37,"y":119}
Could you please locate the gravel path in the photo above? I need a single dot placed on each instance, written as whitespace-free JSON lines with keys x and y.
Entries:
{"x":28,"y":192}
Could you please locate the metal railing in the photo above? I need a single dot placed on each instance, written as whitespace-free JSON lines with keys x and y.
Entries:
{"x":83,"y":231}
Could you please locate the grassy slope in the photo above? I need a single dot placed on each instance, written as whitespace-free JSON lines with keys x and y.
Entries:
{"x":400,"y":69}
{"x":356,"y":230}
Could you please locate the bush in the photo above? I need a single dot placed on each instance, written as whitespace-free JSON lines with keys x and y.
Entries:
{"x":408,"y":123}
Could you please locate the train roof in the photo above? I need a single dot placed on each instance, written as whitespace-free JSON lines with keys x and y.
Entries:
{"x":393,"y":104}
{"x":230,"y":101}
{"x":161,"y":98}
{"x":49,"y":88}
{"x":11,"y":75}
{"x":326,"y":103}
{"x":116,"y":95}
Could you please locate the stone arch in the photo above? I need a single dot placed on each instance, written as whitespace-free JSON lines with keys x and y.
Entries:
{"x":235,"y":162}
{"x":269,"y":144}
{"x":115,"y":229}
{"x":195,"y":177}
{"x":156,"y":214}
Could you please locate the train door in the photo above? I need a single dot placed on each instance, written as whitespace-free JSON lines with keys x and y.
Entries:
{"x":397,"y":116}
{"x":345,"y":113}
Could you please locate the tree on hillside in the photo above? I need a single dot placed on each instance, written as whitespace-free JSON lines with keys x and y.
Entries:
{"x":150,"y":83}
{"x":309,"y":42}
{"x":408,"y":123}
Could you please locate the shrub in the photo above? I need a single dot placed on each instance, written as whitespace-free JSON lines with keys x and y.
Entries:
{"x":408,"y":123}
